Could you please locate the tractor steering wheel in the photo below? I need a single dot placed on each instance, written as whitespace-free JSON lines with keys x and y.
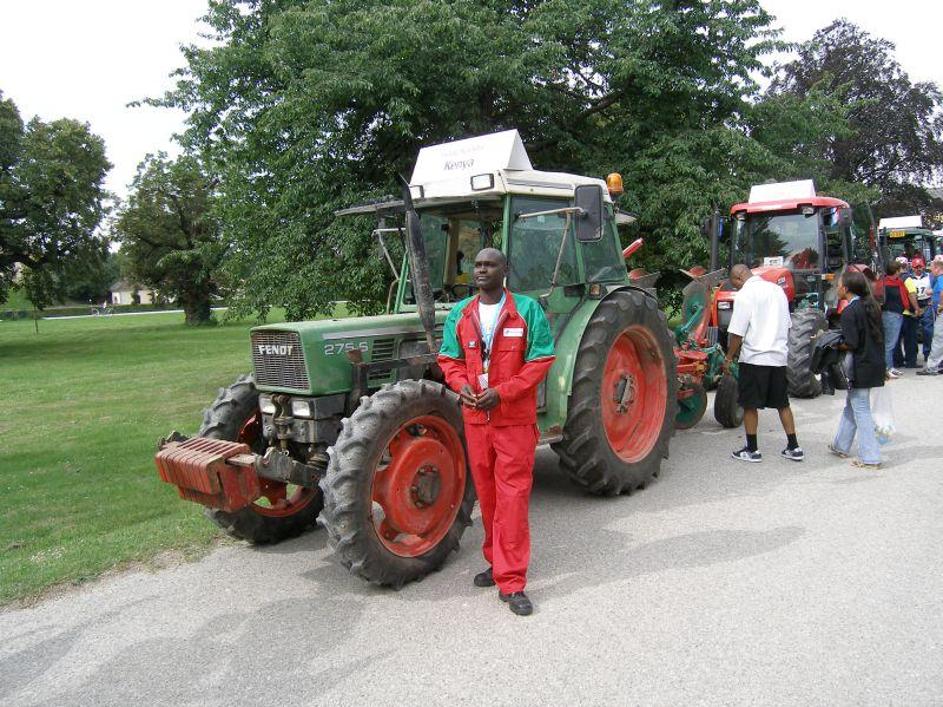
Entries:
{"x":458,"y":290}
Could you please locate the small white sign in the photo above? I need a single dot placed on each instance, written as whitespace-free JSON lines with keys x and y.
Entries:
{"x":803,"y":189}
{"x":516,"y":332}
{"x":776,"y":262}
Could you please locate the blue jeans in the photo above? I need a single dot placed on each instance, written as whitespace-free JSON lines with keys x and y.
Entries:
{"x":856,"y":419}
{"x":908,"y":342}
{"x":926,"y":325}
{"x":892,"y":322}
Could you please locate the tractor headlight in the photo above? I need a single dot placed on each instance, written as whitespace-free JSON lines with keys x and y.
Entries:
{"x":300,"y":408}
{"x":724,"y":305}
{"x":266,"y":405}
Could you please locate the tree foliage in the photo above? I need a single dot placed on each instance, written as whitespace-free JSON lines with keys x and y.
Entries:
{"x":170,"y":237}
{"x":304,"y":107}
{"x":51,"y":201}
{"x":894,"y":141}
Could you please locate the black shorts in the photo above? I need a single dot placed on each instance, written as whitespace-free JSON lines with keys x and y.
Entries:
{"x":762,"y":387}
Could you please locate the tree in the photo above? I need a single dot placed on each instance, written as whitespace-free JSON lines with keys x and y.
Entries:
{"x":305,"y":107}
{"x":170,"y":238}
{"x":895,"y":139}
{"x":51,"y":201}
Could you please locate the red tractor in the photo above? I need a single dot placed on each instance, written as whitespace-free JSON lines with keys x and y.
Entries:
{"x":801,"y":241}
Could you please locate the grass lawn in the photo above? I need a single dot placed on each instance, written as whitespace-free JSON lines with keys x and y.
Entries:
{"x":84,"y":402}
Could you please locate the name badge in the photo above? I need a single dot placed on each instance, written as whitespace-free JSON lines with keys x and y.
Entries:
{"x":514,"y":332}
{"x":472,"y":344}
{"x":483,"y":381}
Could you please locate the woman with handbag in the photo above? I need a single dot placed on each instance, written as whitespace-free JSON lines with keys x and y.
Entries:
{"x":864,"y":365}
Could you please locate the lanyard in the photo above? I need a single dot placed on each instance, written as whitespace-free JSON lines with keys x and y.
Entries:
{"x":488,"y":337}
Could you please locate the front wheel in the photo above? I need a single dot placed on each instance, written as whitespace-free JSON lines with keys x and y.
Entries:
{"x":284,"y":510}
{"x":727,"y":410}
{"x":806,"y":324}
{"x":398,"y":493}
{"x":624,"y":400}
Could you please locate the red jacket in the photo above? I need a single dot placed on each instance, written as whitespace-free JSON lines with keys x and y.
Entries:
{"x":521,"y":355}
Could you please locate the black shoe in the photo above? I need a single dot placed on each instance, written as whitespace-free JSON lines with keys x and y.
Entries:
{"x":484,"y":579}
{"x":927,"y":372}
{"x":518,"y":603}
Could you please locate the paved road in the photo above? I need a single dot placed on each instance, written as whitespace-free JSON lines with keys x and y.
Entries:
{"x":778,"y":583}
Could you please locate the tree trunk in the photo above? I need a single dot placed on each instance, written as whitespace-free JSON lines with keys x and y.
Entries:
{"x":196,"y":307}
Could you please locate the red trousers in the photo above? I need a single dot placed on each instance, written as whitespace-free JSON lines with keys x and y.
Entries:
{"x":502,"y":466}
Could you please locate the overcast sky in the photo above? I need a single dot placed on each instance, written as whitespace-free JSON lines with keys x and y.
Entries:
{"x":88,"y":59}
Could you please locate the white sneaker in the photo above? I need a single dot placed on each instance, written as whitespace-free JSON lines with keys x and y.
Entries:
{"x":745,"y":455}
{"x":795,"y":454}
{"x":894,"y":373}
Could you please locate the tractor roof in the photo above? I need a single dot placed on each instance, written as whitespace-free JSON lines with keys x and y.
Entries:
{"x":487,"y":166}
{"x":784,"y":196}
{"x":786,"y":205}
{"x":901,"y":222}
{"x":483,"y":168}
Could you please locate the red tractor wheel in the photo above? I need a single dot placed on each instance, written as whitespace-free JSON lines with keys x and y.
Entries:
{"x":284,"y":510}
{"x":398,"y":491}
{"x":623,"y":405}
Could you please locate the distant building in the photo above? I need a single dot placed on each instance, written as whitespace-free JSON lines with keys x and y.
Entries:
{"x":123,"y":292}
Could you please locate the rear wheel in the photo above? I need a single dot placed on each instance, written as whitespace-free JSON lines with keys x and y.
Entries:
{"x":398,"y":491}
{"x":284,"y":510}
{"x":623,"y":404}
{"x":806,"y":323}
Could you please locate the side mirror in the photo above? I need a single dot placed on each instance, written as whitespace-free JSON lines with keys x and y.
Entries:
{"x":589,"y":223}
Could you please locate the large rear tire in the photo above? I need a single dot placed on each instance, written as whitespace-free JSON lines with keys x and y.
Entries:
{"x":806,"y":323}
{"x":624,"y":399}
{"x":284,"y":510}
{"x":398,"y":492}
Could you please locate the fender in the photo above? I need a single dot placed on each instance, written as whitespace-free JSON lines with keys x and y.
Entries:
{"x":567,"y":343}
{"x":779,"y":276}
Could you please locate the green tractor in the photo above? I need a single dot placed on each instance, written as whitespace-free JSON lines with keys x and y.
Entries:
{"x":905,"y":236}
{"x":347,"y":422}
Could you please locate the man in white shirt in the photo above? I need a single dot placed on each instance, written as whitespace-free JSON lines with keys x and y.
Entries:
{"x":759,"y":330}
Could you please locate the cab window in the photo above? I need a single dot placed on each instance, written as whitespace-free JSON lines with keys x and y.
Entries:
{"x":535,"y":245}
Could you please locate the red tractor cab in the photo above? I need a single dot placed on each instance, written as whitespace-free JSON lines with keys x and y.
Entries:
{"x":801,"y":241}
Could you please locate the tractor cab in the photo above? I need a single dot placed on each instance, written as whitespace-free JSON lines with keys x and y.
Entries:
{"x":558,"y":230}
{"x":789,"y":235}
{"x":905,"y":236}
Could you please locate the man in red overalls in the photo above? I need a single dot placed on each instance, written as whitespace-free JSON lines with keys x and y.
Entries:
{"x":496,"y":348}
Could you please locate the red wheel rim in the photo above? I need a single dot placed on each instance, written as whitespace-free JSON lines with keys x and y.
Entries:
{"x":418,"y":486}
{"x":277,"y":500}
{"x":634,"y":394}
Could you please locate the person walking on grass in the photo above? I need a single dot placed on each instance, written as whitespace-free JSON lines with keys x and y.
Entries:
{"x":496,"y":348}
{"x":864,"y":340}
{"x":759,"y":331}
{"x":935,"y":359}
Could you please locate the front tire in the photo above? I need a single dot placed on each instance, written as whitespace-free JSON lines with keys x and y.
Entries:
{"x":398,"y":490}
{"x":624,"y":399}
{"x":806,"y":323}
{"x":727,"y":410}
{"x":284,"y":510}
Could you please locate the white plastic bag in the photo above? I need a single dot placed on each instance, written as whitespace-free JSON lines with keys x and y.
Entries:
{"x":882,"y":412}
